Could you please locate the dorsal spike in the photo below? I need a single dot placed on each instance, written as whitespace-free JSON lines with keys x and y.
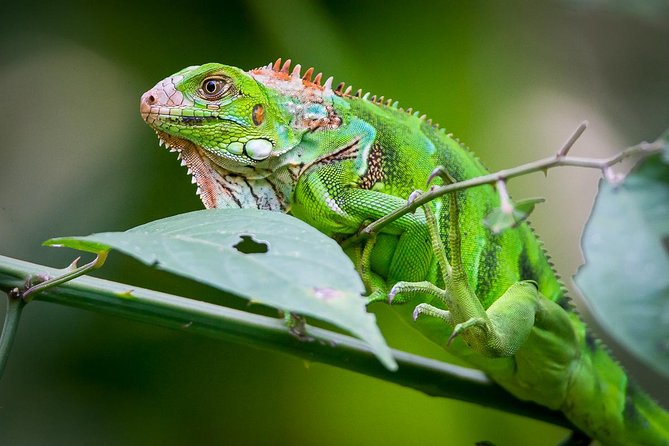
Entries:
{"x":409,"y":110}
{"x":347,"y":92}
{"x":358,"y":93}
{"x":416,"y":113}
{"x":317,"y":79}
{"x":308,"y":74}
{"x":429,"y":121}
{"x":340,"y":87}
{"x":296,"y":71}
{"x":389,"y":102}
{"x":286,"y":66}
{"x":381,"y":99}
{"x":373,"y":98}
{"x":423,"y":117}
{"x":277,"y":65}
{"x":328,"y":83}
{"x":366,"y":96}
{"x":395,"y":104}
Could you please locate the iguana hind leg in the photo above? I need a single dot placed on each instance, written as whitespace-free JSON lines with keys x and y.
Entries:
{"x":498,"y":331}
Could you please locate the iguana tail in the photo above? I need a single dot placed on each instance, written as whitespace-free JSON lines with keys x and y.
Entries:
{"x":605,"y":403}
{"x":645,"y":416}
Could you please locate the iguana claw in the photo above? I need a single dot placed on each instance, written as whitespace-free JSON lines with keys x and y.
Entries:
{"x":441,"y":172}
{"x":391,"y":295}
{"x":415,"y":194}
{"x":459,"y":328}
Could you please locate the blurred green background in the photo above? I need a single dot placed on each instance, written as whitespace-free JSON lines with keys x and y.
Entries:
{"x":511,"y":79}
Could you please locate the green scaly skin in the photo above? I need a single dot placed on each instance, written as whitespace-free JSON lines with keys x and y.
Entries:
{"x":273,"y":139}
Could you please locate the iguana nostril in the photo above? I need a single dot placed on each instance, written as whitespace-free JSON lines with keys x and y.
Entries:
{"x":148,"y":99}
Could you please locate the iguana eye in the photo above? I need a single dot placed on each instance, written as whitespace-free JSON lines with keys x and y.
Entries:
{"x":214,"y":88}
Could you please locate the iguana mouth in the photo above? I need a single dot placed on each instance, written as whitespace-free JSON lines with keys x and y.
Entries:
{"x":174,"y":143}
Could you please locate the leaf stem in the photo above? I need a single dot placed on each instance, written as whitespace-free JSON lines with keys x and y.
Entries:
{"x":426,"y":375}
{"x":504,"y":199}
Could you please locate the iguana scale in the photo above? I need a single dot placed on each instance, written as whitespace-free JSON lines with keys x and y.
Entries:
{"x":274,"y":138}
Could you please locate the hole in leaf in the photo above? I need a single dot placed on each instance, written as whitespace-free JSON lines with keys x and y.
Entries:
{"x":248,"y":245}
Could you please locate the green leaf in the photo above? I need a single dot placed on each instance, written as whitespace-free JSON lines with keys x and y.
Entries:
{"x":625,"y":279}
{"x":81,"y":245}
{"x":267,"y":257}
{"x":499,"y":219}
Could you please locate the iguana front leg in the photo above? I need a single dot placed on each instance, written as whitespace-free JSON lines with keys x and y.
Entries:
{"x":328,"y":198}
{"x":498,"y":331}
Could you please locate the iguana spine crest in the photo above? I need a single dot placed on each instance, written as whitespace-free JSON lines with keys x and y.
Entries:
{"x":281,"y":71}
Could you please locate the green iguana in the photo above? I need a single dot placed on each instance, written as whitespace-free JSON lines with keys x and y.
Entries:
{"x":272,"y":138}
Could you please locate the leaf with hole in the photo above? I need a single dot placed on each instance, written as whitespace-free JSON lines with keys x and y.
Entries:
{"x":267,"y":257}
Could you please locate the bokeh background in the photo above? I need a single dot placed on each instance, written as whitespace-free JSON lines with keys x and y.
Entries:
{"x":511,"y":79}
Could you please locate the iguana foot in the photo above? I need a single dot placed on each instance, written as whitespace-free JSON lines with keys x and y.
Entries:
{"x":431,"y":310}
{"x":402,"y":291}
{"x":499,"y":330}
{"x":297,"y":326}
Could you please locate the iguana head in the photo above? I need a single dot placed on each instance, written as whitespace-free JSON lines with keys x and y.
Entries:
{"x":225,"y":125}
{"x":220,"y":109}
{"x":232,"y":127}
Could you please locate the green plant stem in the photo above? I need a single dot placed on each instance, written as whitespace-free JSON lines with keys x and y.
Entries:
{"x":9,"y":327}
{"x":426,"y":375}
{"x":559,"y":160}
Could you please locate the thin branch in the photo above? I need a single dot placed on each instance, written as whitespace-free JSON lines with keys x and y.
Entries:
{"x":426,"y":375}
{"x":71,"y":272}
{"x":551,"y":162}
{"x":14,"y":308}
{"x":572,"y":139}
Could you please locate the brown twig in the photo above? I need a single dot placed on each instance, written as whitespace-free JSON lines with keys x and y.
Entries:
{"x":560,"y":159}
